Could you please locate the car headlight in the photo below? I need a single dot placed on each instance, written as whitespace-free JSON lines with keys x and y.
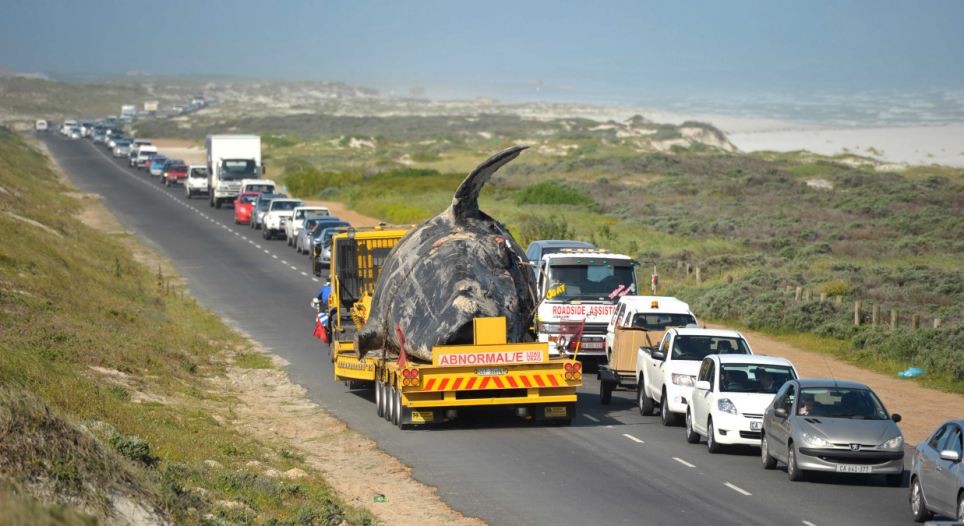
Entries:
{"x":726,"y":406}
{"x":895,"y":443}
{"x":814,"y":440}
{"x":683,"y":379}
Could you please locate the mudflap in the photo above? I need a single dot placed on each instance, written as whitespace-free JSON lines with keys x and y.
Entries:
{"x":560,"y":411}
{"x":608,"y":375}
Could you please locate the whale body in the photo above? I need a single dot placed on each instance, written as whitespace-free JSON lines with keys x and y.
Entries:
{"x":448,"y":270}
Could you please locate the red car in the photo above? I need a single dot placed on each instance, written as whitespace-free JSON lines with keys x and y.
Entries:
{"x":174,"y":174}
{"x":243,"y":206}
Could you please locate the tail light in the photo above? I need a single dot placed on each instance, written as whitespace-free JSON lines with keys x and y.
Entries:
{"x":410,"y":376}
{"x":573,"y":371}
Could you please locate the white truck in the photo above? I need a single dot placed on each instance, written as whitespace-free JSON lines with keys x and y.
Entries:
{"x":278,"y":214}
{"x":666,"y":375}
{"x":580,"y":287}
{"x":297,"y":222}
{"x":262,"y":186}
{"x":230,"y":159}
{"x":639,"y":321}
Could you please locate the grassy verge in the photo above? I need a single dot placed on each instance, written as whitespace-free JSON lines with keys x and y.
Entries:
{"x":105,"y":371}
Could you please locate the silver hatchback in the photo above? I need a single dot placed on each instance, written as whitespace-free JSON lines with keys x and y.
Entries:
{"x":937,"y":474}
{"x":831,"y":425}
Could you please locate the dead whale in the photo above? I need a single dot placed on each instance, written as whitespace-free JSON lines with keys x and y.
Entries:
{"x":448,"y":270}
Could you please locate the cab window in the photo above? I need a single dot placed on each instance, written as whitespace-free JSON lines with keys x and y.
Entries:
{"x":704,"y":375}
{"x":937,"y":436}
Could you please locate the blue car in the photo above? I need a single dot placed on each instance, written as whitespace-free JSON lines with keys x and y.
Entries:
{"x":156,"y":165}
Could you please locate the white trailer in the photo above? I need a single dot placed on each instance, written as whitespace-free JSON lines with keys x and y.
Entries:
{"x":230,"y":159}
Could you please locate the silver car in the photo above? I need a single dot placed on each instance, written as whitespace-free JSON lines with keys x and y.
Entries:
{"x":831,"y":425}
{"x":937,"y":474}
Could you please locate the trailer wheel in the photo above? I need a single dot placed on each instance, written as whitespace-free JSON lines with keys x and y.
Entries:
{"x":379,"y":400}
{"x":606,"y":392}
{"x":396,"y":403}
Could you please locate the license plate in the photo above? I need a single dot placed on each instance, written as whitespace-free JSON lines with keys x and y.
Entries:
{"x":490,"y":371}
{"x":755,"y":426}
{"x":591,"y":345}
{"x":555,"y":411}
{"x":423,"y":416}
{"x":850,"y":468}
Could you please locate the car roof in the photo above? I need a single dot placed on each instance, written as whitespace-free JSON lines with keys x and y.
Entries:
{"x":700,"y":331}
{"x":664,"y":304}
{"x":831,"y":382}
{"x":266,"y":195}
{"x":283,"y":199}
{"x":560,"y":243}
{"x":755,"y":359}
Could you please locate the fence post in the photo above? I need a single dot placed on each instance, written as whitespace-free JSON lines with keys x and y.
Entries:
{"x":823,"y":297}
{"x":893,"y":318}
{"x":808,"y":296}
{"x":875,"y":315}
{"x":679,"y":266}
{"x":915,"y":321}
{"x":699,"y":280}
{"x":857,"y":313}
{"x":798,"y":294}
{"x":788,"y":290}
{"x":838,"y":300}
{"x":689,"y":270}
{"x":937,"y":323}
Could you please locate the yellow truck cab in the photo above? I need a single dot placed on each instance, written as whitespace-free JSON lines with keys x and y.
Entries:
{"x":489,"y":372}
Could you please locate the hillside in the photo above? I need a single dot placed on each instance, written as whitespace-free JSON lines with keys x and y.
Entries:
{"x":111,"y":409}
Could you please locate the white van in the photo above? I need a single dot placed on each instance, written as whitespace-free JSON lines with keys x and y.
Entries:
{"x":144,"y":154}
{"x":67,"y":126}
{"x":264,"y":186}
{"x":40,"y":125}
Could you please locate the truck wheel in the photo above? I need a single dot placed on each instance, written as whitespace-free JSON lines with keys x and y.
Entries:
{"x":644,"y":402}
{"x":665,"y":415}
{"x":396,"y":403}
{"x":606,"y":392}
{"x":711,"y":444}
{"x":379,"y":400}
{"x":691,"y":436}
{"x":265,"y":233}
{"x":211,"y":202}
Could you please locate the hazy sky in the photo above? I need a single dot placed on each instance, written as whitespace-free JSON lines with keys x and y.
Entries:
{"x":595,"y":49}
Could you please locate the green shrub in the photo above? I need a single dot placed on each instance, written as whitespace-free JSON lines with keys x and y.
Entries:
{"x":550,"y":193}
{"x":132,"y":447}
{"x":539,"y":227}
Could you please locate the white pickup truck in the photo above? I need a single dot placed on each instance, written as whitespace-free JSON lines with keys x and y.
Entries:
{"x":297,"y":222}
{"x":666,"y":375}
{"x":278,"y":213}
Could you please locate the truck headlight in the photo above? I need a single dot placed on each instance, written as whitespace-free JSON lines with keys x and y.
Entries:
{"x":895,"y":443}
{"x":683,"y":379}
{"x":552,"y":328}
{"x":816,"y":441}
{"x":726,"y":405}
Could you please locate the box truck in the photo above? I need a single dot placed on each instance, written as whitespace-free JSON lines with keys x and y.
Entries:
{"x":230,"y":159}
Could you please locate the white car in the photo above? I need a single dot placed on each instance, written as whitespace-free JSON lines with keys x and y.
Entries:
{"x":293,"y":228}
{"x":666,"y":375}
{"x":278,"y":213}
{"x":40,"y":125}
{"x":730,"y":396}
{"x":197,"y":180}
{"x":141,"y":155}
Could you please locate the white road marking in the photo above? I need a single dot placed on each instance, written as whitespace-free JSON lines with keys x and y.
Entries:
{"x":285,"y":262}
{"x":683,"y":462}
{"x":737,"y":489}
{"x":273,"y":255}
{"x":294,"y":267}
{"x":634,"y":439}
{"x":257,"y":246}
{"x":315,"y":280}
{"x":266,"y":251}
{"x":303,"y":273}
{"x":590,"y":417}
{"x":808,"y":523}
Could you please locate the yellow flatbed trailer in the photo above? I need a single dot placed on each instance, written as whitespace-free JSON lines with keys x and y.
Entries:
{"x":489,"y":372}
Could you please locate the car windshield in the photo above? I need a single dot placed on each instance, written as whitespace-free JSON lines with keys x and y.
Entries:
{"x":262,"y":188}
{"x":201,"y":172}
{"x":237,"y":169}
{"x":690,"y":347}
{"x":322,"y":225}
{"x":589,"y":281}
{"x":836,"y":402}
{"x":285,"y":205}
{"x":158,"y":160}
{"x":263,"y":204}
{"x":654,"y":321}
{"x":177,"y":168}
{"x":248,"y":199}
{"x":753,"y":378}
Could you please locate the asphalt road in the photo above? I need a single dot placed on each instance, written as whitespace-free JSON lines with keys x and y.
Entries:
{"x":612,"y":466}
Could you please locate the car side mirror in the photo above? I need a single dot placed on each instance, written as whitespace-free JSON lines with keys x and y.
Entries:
{"x":895,"y":417}
{"x":780,"y":412}
{"x":703,"y":385}
{"x":951,"y":455}
{"x":658,"y":355}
